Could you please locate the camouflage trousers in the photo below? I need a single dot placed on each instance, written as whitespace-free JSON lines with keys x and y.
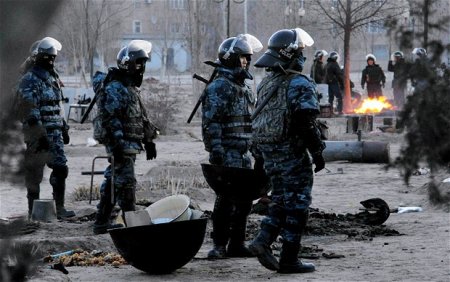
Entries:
{"x":230,"y":218}
{"x":35,"y":162}
{"x":124,"y":183}
{"x":291,"y":177}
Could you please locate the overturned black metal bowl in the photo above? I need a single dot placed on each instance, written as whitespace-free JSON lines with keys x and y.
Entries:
{"x":160,"y":248}
{"x":238,"y":184}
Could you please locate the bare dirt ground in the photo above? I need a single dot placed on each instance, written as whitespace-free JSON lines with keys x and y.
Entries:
{"x":420,"y":253}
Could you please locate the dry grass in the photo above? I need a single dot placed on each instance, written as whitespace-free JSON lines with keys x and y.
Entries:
{"x":82,"y":193}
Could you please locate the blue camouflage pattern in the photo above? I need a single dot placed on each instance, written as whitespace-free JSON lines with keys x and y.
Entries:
{"x":226,"y":125}
{"x":286,"y":150}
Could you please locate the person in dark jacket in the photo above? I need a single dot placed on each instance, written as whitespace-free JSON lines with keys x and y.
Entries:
{"x":400,"y":69}
{"x":287,"y":134}
{"x":334,"y":77}
{"x":374,"y":77}
{"x":124,"y":119}
{"x":318,"y":68}
{"x":226,"y":130}
{"x":44,"y":127}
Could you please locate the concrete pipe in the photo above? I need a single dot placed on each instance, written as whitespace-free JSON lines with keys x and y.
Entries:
{"x":357,"y":151}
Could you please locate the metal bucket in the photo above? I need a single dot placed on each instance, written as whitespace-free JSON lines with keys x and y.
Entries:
{"x":44,"y":210}
{"x":160,"y":248}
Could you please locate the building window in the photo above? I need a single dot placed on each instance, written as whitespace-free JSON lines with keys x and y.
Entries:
{"x":381,"y":51}
{"x":175,"y":27}
{"x":137,"y":27}
{"x":178,"y":4}
{"x":375,"y":27}
{"x":301,"y":4}
{"x":334,"y":4}
{"x":137,"y":4}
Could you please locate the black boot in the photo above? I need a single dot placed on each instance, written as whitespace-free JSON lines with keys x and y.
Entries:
{"x":31,"y":197}
{"x":58,"y":182}
{"x":236,"y":247}
{"x":103,"y":217}
{"x":218,"y":252}
{"x":260,"y":247}
{"x":289,"y":262}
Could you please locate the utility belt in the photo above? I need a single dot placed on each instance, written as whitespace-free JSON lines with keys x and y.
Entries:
{"x":237,"y":129}
{"x":50,"y":113}
{"x":50,"y":103}
{"x":242,"y":119}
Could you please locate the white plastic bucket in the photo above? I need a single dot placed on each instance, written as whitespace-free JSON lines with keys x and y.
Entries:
{"x":169,"y":209}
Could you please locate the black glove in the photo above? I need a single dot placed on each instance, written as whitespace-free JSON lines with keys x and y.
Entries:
{"x":382,"y":85}
{"x":362,"y":86}
{"x":43,"y":145}
{"x":150,"y":150}
{"x":319,"y":162}
{"x":216,"y":157}
{"x":118,"y":153}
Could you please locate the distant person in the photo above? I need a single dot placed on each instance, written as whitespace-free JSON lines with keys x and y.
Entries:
{"x":421,"y":71}
{"x":125,"y":122}
{"x":226,"y":130}
{"x":44,"y":127}
{"x":399,"y":67}
{"x":318,"y":68}
{"x":334,"y":77}
{"x":373,"y":76}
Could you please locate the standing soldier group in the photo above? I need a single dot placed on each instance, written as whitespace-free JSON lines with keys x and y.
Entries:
{"x":284,"y":133}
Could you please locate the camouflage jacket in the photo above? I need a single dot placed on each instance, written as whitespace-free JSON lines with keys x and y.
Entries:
{"x":122,"y":114}
{"x":225,"y":113}
{"x":290,"y":114}
{"x":40,"y":97}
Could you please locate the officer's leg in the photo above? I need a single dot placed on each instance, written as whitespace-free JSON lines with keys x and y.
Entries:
{"x":59,"y":173}
{"x":330,"y":96}
{"x":126,"y":185}
{"x":221,"y":226}
{"x":297,"y":198}
{"x":236,"y":247}
{"x":34,"y":172}
{"x":272,"y":223}
{"x":338,"y":93}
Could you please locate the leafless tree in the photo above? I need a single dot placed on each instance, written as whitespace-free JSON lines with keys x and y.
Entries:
{"x":86,"y":28}
{"x":350,"y":15}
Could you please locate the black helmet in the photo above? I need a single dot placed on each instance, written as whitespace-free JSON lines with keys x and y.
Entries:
{"x":398,"y":54}
{"x":334,"y":56}
{"x":132,"y":57}
{"x":320,"y":53}
{"x":231,"y":49}
{"x":284,"y":45}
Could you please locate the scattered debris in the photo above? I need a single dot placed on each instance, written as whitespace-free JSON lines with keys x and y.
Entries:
{"x":84,"y":258}
{"x":332,"y":255}
{"x":59,"y":266}
{"x":408,"y":209}
{"x":421,"y":171}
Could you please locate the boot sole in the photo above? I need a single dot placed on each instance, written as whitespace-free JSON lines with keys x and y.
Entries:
{"x":265,"y":257}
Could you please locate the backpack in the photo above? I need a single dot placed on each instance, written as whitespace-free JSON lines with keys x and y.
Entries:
{"x":100,"y":133}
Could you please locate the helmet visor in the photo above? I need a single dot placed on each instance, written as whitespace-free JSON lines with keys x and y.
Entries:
{"x":254,"y":43}
{"x":302,"y":38}
{"x":137,"y":45}
{"x":49,"y":42}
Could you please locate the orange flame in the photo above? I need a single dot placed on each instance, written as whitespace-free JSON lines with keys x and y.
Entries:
{"x":373,"y":105}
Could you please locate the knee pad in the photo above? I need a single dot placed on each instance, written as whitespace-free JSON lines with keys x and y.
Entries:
{"x":61,"y":171}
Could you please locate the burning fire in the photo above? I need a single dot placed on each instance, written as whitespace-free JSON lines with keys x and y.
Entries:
{"x":373,"y":105}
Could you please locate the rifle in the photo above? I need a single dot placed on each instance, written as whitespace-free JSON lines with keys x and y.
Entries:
{"x":204,"y":80}
{"x":91,"y":105}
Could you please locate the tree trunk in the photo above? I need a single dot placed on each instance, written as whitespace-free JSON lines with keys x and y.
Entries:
{"x":347,"y":36}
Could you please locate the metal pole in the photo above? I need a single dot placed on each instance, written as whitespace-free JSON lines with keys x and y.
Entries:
{"x":245,"y":16}
{"x":228,"y":18}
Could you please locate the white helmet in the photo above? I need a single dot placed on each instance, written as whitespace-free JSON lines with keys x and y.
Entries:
{"x":371,"y":57}
{"x":320,"y":53}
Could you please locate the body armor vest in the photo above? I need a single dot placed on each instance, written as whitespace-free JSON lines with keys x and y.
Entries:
{"x":133,"y":120}
{"x":236,"y":122}
{"x":272,"y":123}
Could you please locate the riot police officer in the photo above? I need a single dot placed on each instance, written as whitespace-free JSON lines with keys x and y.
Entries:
{"x":318,"y":69}
{"x":373,"y":76}
{"x":334,"y":77}
{"x":44,"y":127}
{"x":399,"y":67}
{"x":124,"y":120}
{"x":286,"y":133}
{"x":226,"y":129}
